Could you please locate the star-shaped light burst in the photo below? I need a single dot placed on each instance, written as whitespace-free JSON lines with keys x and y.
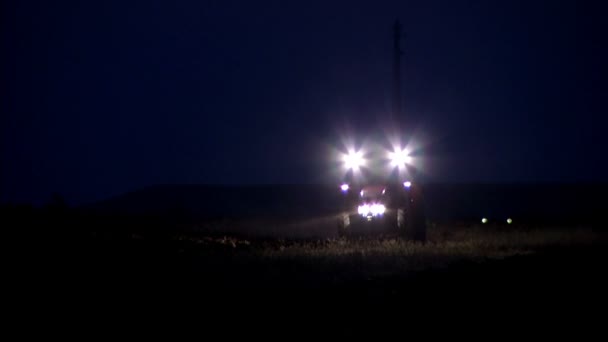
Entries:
{"x":399,"y":157}
{"x":353,"y":160}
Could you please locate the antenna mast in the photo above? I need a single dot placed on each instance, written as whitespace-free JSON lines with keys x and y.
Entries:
{"x":397,"y":70}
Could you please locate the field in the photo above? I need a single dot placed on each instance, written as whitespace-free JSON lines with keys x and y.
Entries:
{"x":365,"y":257}
{"x":85,"y":261}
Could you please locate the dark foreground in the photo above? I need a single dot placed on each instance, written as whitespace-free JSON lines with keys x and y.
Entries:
{"x":501,"y":275}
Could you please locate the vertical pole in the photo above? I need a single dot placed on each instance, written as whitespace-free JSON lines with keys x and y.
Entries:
{"x":416,"y":218}
{"x":396,"y":112}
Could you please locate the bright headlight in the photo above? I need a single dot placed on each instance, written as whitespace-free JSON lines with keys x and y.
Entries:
{"x":399,"y":158}
{"x":353,"y":160}
{"x":363,"y":209}
{"x":377,"y":209}
{"x":374,"y":209}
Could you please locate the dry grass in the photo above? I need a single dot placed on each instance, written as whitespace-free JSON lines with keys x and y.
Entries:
{"x":386,"y":256}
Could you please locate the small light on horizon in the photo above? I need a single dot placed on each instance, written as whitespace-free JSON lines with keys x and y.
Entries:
{"x":344,"y":187}
{"x":407,"y":184}
{"x":509,"y":220}
{"x":484,"y":220}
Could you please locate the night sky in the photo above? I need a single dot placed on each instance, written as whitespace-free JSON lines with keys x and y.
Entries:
{"x":103,"y":97}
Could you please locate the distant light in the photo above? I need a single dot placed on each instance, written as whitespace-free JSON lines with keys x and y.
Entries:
{"x":509,"y":221}
{"x":361,"y":193}
{"x":383,"y":191}
{"x":484,"y":220}
{"x":407,"y":184}
{"x":344,"y":187}
{"x":399,"y":158}
{"x":353,"y":160}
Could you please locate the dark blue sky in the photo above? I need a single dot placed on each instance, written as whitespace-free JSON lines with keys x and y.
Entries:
{"x":100,"y":98}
